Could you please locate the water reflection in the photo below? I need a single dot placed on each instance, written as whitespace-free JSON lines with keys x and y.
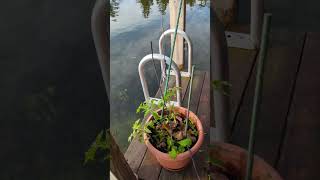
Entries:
{"x":113,"y":9}
{"x":147,"y":4}
{"x":135,"y":26}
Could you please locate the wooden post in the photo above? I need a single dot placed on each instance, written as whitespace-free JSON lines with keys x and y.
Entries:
{"x":219,"y":70}
{"x":119,"y":166}
{"x":178,"y":55}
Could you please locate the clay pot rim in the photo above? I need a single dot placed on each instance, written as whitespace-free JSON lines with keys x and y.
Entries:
{"x":193,"y":117}
{"x":260,"y":166}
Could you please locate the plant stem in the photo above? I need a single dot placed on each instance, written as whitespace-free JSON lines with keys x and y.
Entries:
{"x":189,"y":98}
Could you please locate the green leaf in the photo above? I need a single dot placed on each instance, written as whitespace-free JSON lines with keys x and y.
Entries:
{"x":169,"y":142}
{"x":155,"y":115}
{"x":130,"y":138}
{"x":181,"y":149}
{"x":136,"y":124}
{"x":150,"y":124}
{"x":136,"y":130}
{"x":222,"y":87}
{"x":100,"y":143}
{"x":140,"y":108}
{"x":185,"y":142}
{"x":173,"y":153}
{"x":216,"y":162}
{"x":147,"y":130}
{"x":146,"y":112}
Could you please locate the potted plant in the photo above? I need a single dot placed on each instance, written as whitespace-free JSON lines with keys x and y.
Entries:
{"x":227,"y":161}
{"x":171,"y":133}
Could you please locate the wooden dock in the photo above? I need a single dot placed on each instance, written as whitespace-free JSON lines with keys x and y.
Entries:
{"x":288,"y":126}
{"x":287,"y":133}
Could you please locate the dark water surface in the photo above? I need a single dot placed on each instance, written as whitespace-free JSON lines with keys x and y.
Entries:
{"x":131,"y":32}
{"x":52,"y":97}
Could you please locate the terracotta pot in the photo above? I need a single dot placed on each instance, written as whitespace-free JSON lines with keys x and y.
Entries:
{"x":234,"y":159}
{"x":182,"y":159}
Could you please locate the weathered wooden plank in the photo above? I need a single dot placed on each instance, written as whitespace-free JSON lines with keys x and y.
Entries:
{"x":190,"y":172}
{"x":184,"y":85}
{"x":135,"y":154}
{"x":300,"y":154}
{"x":150,"y":168}
{"x":204,"y":115}
{"x":281,"y":64}
{"x":241,"y":64}
{"x":196,"y":91}
{"x":168,"y":175}
{"x":119,"y":166}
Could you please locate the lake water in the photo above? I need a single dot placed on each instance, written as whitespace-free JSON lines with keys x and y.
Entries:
{"x":131,"y":32}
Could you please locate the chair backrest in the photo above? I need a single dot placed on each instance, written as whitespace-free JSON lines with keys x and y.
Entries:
{"x":184,"y":35}
{"x":159,"y":57}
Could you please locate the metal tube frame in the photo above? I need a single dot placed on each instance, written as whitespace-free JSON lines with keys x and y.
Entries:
{"x":144,"y":84}
{"x":251,"y":40}
{"x":219,"y":71}
{"x":185,"y":36}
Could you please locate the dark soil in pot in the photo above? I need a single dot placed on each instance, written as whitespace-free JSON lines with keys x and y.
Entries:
{"x":174,"y":127}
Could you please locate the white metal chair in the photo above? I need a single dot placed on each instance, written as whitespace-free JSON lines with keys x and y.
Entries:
{"x":185,"y":36}
{"x":174,"y":67}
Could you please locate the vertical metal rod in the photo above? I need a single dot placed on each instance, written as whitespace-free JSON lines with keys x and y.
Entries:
{"x":256,"y":17}
{"x":189,"y":98}
{"x":155,"y":71}
{"x":258,"y":92}
{"x":171,"y":54}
